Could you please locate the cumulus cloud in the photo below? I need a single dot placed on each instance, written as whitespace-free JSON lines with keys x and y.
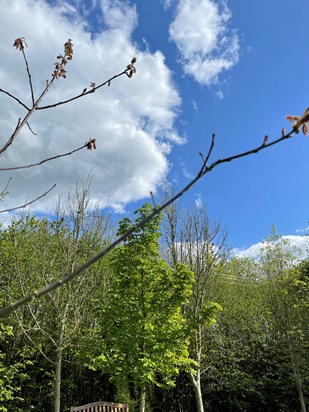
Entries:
{"x":297,"y":243}
{"x":206,"y":44}
{"x":132,"y":120}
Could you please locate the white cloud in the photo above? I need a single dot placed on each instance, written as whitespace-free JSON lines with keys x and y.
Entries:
{"x":207,"y":46}
{"x":304,"y":230}
{"x":186,"y":173}
{"x":167,"y":4}
{"x":252,"y":251}
{"x":219,"y":94}
{"x":198,"y":201}
{"x":119,"y":15}
{"x":195,"y":106}
{"x":132,"y":120}
{"x":298,"y":243}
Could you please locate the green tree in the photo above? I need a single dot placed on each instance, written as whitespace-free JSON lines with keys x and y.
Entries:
{"x":145,"y":340}
{"x":235,"y":359}
{"x":249,"y":363}
{"x":287,"y":294}
{"x":33,"y":253}
{"x":8,"y":372}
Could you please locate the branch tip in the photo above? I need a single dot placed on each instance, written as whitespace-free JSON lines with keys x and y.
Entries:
{"x":153,"y":200}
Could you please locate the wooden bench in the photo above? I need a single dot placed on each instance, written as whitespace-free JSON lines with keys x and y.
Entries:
{"x":101,"y":407}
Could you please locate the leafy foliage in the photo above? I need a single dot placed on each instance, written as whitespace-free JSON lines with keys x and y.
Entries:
{"x":142,"y":324}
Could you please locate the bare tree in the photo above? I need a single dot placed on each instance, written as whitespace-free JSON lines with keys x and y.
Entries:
{"x":191,"y":238}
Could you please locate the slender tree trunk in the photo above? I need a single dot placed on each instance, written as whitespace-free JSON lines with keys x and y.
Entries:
{"x":196,"y":379}
{"x":142,"y":399}
{"x":57,"y":386}
{"x":300,"y":394}
{"x":295,"y":365}
{"x":58,"y":363}
{"x":196,"y":383}
{"x":297,"y":380}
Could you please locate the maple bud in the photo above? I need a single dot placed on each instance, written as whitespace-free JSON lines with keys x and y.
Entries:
{"x":265,"y":140}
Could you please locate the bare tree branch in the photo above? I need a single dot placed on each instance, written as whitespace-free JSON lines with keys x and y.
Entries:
{"x":6,"y":186}
{"x":25,"y":120}
{"x":15,"y":98}
{"x":28,"y":203}
{"x":10,"y":141}
{"x":29,"y":127}
{"x":207,"y":169}
{"x":58,"y":72}
{"x":85,"y":92}
{"x":69,"y":276}
{"x":32,"y":341}
{"x":43,"y":161}
{"x":29,"y":76}
{"x":4,"y":191}
{"x":211,"y":148}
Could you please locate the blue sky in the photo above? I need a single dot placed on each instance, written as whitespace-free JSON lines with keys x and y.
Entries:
{"x":234,"y":68}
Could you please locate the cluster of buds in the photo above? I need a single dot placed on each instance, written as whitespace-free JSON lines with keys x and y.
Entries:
{"x":60,"y":70}
{"x":68,"y":49}
{"x":300,"y":121}
{"x":20,"y":43}
{"x":91,"y":144}
{"x":130,"y":70}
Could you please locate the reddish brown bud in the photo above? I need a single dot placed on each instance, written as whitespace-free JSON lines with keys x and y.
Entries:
{"x":265,"y":140}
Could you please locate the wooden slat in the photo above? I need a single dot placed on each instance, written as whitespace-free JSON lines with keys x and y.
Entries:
{"x":101,"y":407}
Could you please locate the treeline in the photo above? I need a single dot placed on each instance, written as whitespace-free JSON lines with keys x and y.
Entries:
{"x":165,"y":323}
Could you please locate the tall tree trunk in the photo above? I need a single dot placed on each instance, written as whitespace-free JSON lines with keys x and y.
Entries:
{"x":57,"y":386}
{"x":196,"y":379}
{"x":300,"y":394}
{"x":295,"y":366}
{"x":297,"y":380}
{"x":142,"y":399}
{"x":58,"y":363}
{"x":196,"y":383}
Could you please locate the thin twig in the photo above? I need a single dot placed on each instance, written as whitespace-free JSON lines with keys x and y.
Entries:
{"x":211,"y":147}
{"x":10,"y":141}
{"x":153,"y":200}
{"x":83,"y":93}
{"x":15,"y":98}
{"x":205,"y":160}
{"x":4,"y":192}
{"x":21,"y":123}
{"x":32,"y":341}
{"x":28,"y":203}
{"x":43,"y":161}
{"x":249,"y":152}
{"x":6,"y":186}
{"x":29,"y":76}
{"x":37,"y":102}
{"x":35,"y":134}
{"x":69,"y":276}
